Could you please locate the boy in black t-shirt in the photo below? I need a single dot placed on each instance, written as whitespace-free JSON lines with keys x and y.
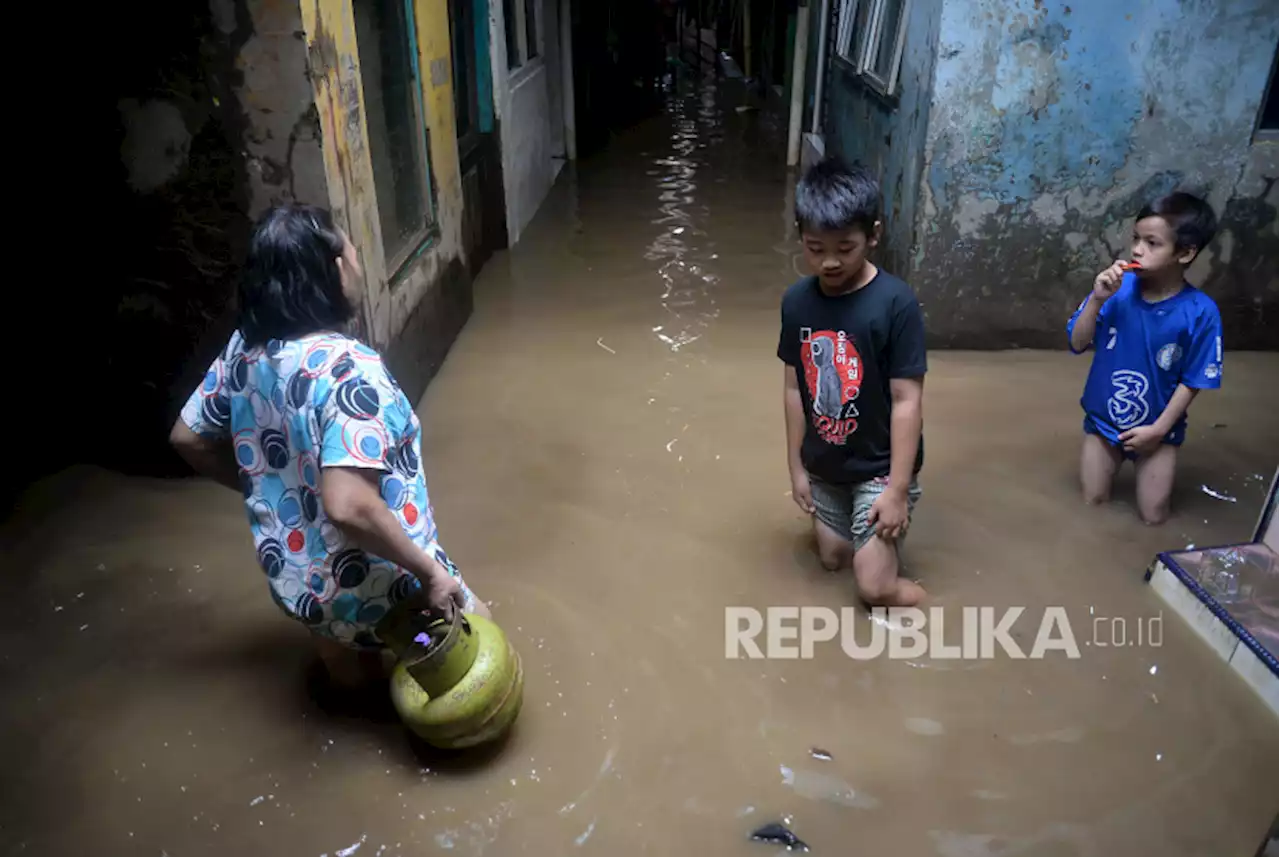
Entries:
{"x":853,"y":343}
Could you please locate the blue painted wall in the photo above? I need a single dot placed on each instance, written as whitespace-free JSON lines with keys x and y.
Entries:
{"x":889,"y":136}
{"x":1052,"y":123}
{"x":1027,"y":134}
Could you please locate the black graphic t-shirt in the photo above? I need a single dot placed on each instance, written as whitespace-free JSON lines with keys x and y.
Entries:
{"x":844,"y":351}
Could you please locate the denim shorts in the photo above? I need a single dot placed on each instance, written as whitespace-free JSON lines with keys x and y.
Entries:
{"x":844,"y":508}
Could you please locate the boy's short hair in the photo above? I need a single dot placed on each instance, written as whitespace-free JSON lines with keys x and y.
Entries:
{"x":1191,"y":218}
{"x":834,"y":197}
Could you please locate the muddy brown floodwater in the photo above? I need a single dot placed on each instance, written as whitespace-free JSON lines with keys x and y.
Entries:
{"x":605,"y":454}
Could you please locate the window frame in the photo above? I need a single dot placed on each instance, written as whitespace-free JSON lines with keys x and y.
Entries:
{"x":528,"y":54}
{"x":1260,"y":131}
{"x":858,"y":47}
{"x":398,"y":266}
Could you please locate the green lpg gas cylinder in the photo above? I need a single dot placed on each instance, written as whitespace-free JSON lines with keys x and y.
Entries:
{"x":456,"y":684}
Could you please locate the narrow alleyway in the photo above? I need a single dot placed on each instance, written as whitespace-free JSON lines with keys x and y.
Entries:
{"x":605,"y":453}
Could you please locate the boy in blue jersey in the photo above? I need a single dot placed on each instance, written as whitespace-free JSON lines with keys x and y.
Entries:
{"x":1157,"y":342}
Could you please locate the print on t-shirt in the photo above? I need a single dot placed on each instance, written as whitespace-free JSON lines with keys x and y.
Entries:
{"x":833,"y":374}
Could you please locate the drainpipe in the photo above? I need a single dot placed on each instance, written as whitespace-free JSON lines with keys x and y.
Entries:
{"x":566,"y":77}
{"x":797,"y":83}
{"x":820,"y":71}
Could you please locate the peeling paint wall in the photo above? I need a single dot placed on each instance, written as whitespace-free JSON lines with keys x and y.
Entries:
{"x":888,"y":136}
{"x":1242,"y":266}
{"x":431,"y":294}
{"x":272,"y":97}
{"x":1052,"y":123}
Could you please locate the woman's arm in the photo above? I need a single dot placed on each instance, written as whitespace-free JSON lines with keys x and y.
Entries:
{"x":354,"y":504}
{"x":210,"y":458}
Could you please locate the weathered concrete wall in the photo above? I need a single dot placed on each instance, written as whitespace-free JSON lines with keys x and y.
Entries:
{"x":888,"y":135}
{"x":1240,"y":271}
{"x":273,"y":98}
{"x":1052,"y":123}
{"x":523,"y":102}
{"x":416,"y":318}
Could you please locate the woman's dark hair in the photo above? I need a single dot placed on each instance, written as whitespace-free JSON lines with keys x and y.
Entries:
{"x":290,"y":286}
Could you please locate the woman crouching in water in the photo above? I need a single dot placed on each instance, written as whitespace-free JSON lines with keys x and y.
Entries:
{"x":308,"y":424}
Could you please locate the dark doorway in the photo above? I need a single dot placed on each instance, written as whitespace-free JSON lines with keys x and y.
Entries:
{"x":150,"y":230}
{"x":619,"y":60}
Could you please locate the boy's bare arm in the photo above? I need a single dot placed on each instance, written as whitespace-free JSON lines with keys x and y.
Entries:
{"x":905,"y":422}
{"x":1145,"y":438}
{"x":1086,"y":325}
{"x":891,"y":510}
{"x":793,"y":407}
{"x":1106,"y":284}
{"x":1178,"y":404}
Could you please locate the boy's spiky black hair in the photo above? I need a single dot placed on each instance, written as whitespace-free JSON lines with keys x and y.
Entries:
{"x":835,"y":197}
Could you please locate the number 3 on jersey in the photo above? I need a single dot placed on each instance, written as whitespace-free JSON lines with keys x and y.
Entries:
{"x":1128,"y":403}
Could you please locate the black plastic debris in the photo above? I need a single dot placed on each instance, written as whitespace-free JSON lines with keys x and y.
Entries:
{"x":820,"y":754}
{"x":779,"y":835}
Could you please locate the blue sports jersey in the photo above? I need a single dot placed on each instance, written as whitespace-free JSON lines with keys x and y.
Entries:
{"x":1142,"y":352}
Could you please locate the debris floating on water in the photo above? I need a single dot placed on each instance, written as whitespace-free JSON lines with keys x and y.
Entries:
{"x":825,"y":787}
{"x":353,"y":848}
{"x":924,"y":726}
{"x":1217,"y":495}
{"x":819,"y":753}
{"x":600,"y":342}
{"x":779,"y":835}
{"x":1219,"y":425}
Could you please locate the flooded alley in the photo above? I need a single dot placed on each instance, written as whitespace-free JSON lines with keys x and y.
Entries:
{"x":605,"y":452}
